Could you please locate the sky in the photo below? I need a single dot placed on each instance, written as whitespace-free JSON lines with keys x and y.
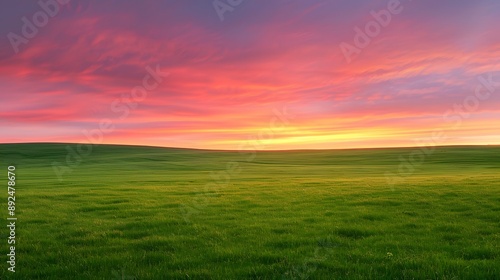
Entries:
{"x":233,"y":74}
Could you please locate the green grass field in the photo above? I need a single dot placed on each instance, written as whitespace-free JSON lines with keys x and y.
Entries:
{"x":154,"y":213}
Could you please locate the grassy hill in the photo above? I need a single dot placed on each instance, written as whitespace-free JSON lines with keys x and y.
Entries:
{"x":131,"y":212}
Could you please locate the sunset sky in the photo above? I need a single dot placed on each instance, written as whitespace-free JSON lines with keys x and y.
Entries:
{"x":434,"y":66}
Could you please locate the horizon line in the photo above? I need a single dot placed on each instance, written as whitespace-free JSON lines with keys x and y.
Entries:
{"x":274,"y":150}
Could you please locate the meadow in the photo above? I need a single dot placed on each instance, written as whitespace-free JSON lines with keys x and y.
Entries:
{"x":131,"y":212}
